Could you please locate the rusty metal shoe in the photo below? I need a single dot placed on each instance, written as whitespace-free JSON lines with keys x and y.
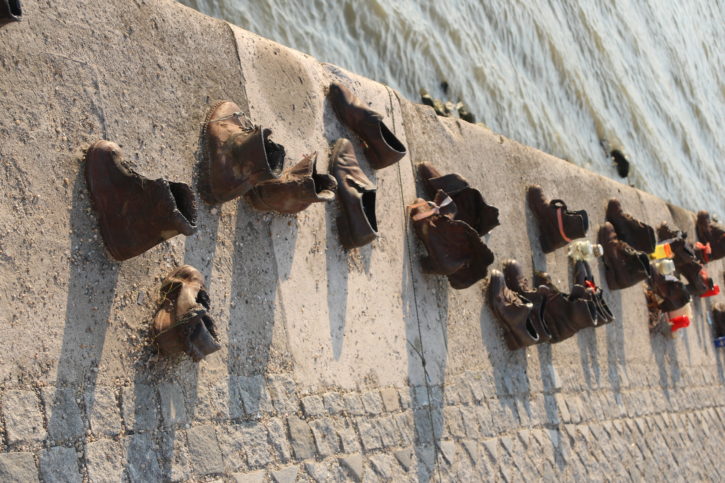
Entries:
{"x":471,"y":206}
{"x":135,"y":213}
{"x":296,"y":189}
{"x":516,"y":315}
{"x":557,"y":225}
{"x":624,"y":266}
{"x":10,"y":11}
{"x":454,"y":248}
{"x":381,"y":146}
{"x":711,"y":236}
{"x":239,"y":154}
{"x":638,"y":235}
{"x":181,"y":323}
{"x":357,"y":225}
{"x":686,"y":261}
{"x":583,"y":277}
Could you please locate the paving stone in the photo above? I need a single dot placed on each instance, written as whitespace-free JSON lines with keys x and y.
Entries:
{"x":104,"y":414}
{"x":449,"y":451}
{"x":405,"y":398}
{"x":372,"y":402}
{"x":325,"y":471}
{"x":60,"y":464}
{"x":252,"y":477}
{"x":328,"y":443}
{"x":205,"y":454}
{"x":405,"y":458}
{"x":173,"y":406}
{"x":369,"y":435}
{"x":423,"y":426}
{"x":353,"y":404}
{"x":139,"y":407}
{"x":313,"y":406}
{"x":23,"y":418}
{"x":475,"y":387}
{"x":491,"y":447}
{"x":174,"y":455}
{"x":142,"y":463}
{"x":105,"y":461}
{"x":278,"y":438}
{"x":349,"y":440}
{"x":213,"y":402}
{"x":406,"y":429}
{"x":303,"y":443}
{"x":388,"y":431}
{"x":419,"y":397}
{"x":354,"y":465}
{"x":285,"y":475}
{"x":391,"y":399}
{"x":334,"y":403}
{"x":282,"y":389}
{"x":231,"y":444}
{"x":255,"y":397}
{"x":470,"y":421}
{"x":18,"y":467}
{"x":384,"y":465}
{"x":256,"y":446}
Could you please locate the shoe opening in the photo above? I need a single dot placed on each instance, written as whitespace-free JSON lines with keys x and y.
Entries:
{"x":368,"y":202}
{"x":275,"y":154}
{"x":530,"y":329}
{"x":185,"y":201}
{"x":391,"y":139}
{"x":209,"y":324}
{"x":203,"y":298}
{"x":15,"y":8}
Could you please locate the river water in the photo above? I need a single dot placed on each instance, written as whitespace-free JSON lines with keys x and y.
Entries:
{"x":644,"y":75}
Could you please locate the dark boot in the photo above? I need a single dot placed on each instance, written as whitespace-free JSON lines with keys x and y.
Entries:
{"x":638,"y":235}
{"x":472,"y":208}
{"x":557,"y":225}
{"x":516,"y":281}
{"x":181,"y":323}
{"x":358,"y":225}
{"x":381,"y":146}
{"x":624,"y":265}
{"x":454,"y":248}
{"x":671,"y":294}
{"x":10,"y":11}
{"x":296,"y":189}
{"x":583,"y":277}
{"x":514,"y":313}
{"x":718,"y":322}
{"x":135,"y":213}
{"x":240,"y":155}
{"x":712,"y":235}
{"x":686,"y":261}
{"x":571,"y":312}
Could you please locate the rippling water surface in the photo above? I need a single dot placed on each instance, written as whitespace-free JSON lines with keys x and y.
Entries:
{"x":644,"y":75}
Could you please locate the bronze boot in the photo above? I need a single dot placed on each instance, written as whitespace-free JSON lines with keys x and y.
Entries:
{"x":357,"y":225}
{"x":583,"y":276}
{"x":565,"y":314}
{"x":381,"y":146}
{"x":686,"y":261}
{"x":711,"y":235}
{"x":637,"y":234}
{"x":10,"y":11}
{"x":239,"y":154}
{"x":671,"y":294}
{"x":557,"y":225}
{"x":135,"y":213}
{"x":471,"y":206}
{"x":454,"y":248}
{"x":624,"y":266}
{"x":516,"y":281}
{"x":296,"y":189}
{"x":181,"y":323}
{"x":514,"y":313}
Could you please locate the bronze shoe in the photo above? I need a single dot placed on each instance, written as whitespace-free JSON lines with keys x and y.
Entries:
{"x":557,"y":225}
{"x":624,"y":266}
{"x":381,"y":146}
{"x":711,"y":235}
{"x":10,"y":11}
{"x":686,"y":261}
{"x":471,"y":207}
{"x":181,"y":323}
{"x":514,"y":313}
{"x":296,"y":189}
{"x":670,"y":293}
{"x":638,"y":235}
{"x":135,"y":213}
{"x":565,"y":314}
{"x":583,"y":277}
{"x":240,"y":155}
{"x":358,"y":225}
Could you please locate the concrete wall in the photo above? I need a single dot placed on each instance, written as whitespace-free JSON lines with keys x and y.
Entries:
{"x":335,"y":365}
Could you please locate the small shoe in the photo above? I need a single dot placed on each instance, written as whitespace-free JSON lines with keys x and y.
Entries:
{"x":239,"y":154}
{"x":711,"y":236}
{"x":557,"y":225}
{"x":637,"y":234}
{"x":583,"y":276}
{"x":135,"y":213}
{"x":358,"y":224}
{"x":471,"y":206}
{"x":671,"y":294}
{"x":10,"y":11}
{"x":686,"y":260}
{"x":381,"y":146}
{"x":624,"y":266}
{"x":566,"y":314}
{"x":181,"y":323}
{"x":515,"y":314}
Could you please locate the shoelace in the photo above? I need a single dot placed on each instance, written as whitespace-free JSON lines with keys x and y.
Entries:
{"x":706,"y":250}
{"x":434,"y":208}
{"x":560,"y":206}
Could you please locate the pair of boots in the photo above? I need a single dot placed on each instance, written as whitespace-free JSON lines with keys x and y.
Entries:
{"x":532,"y":316}
{"x":10,"y":11}
{"x":711,"y":237}
{"x":451,"y":227}
{"x":686,"y":260}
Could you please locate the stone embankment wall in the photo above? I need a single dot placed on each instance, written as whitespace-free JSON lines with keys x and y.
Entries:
{"x":336,"y":365}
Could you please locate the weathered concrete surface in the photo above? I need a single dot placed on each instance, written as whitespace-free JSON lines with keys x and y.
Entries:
{"x":335,"y":365}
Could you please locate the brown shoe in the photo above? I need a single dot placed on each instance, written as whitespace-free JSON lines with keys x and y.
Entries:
{"x":471,"y":206}
{"x":711,"y":235}
{"x":671,"y":294}
{"x":566,"y":314}
{"x":135,"y":213}
{"x":10,"y":11}
{"x":624,"y":266}
{"x":382,"y":147}
{"x":454,"y":248}
{"x":583,"y":277}
{"x":686,"y":261}
{"x":240,"y":155}
{"x":637,"y":234}
{"x":181,"y":323}
{"x":296,"y":189}
{"x":515,"y":314}
{"x":557,"y":225}
{"x":358,"y":225}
